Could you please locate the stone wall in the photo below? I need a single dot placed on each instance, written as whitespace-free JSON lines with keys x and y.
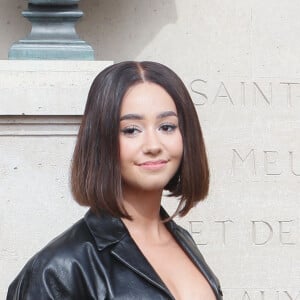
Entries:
{"x":41,"y":107}
{"x":240,"y":62}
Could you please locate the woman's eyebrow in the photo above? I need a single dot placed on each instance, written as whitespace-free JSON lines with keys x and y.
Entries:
{"x":165,"y":114}
{"x":132,"y":117}
{"x":161,"y":115}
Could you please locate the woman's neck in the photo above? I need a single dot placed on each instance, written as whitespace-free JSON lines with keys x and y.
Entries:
{"x":144,"y":208}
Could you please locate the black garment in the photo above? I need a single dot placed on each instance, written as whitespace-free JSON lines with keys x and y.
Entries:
{"x":97,"y":259}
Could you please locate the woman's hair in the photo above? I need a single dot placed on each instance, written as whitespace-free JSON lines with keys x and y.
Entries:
{"x":95,"y":172}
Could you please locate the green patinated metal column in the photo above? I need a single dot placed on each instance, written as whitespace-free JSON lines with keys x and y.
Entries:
{"x":53,"y":34}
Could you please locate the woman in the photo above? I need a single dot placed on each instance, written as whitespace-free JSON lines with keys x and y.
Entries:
{"x":139,"y":135}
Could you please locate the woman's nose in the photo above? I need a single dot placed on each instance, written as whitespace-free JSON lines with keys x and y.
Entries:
{"x":152,"y":143}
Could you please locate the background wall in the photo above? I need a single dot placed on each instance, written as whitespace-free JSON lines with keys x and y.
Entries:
{"x":240,"y":61}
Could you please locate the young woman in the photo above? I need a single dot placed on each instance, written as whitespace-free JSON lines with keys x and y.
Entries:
{"x":139,"y":135}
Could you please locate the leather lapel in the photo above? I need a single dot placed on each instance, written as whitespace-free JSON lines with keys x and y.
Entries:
{"x":105,"y":229}
{"x":186,"y":242}
{"x":110,"y":231}
{"x":128,"y":253}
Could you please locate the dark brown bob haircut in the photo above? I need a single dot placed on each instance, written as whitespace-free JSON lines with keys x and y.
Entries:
{"x":95,"y":172}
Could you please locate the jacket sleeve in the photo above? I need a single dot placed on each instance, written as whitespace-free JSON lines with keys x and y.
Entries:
{"x":43,"y":281}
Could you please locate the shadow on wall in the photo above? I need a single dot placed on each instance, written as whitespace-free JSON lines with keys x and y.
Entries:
{"x":12,"y":24}
{"x":120,"y":29}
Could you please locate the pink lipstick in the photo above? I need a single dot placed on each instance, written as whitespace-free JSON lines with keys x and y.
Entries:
{"x":153,"y":164}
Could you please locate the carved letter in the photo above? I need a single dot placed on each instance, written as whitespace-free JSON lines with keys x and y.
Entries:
{"x":243,"y":93}
{"x":262,"y":293}
{"x":246,"y":296}
{"x":194,"y":89}
{"x":292,"y":164}
{"x":224,"y":95}
{"x":289,"y":91}
{"x":268,"y":232}
{"x":236,"y":155}
{"x":258,"y":89}
{"x":224,"y":229}
{"x":290,"y":297}
{"x":269,"y":161}
{"x":283,"y":232}
{"x":196,"y":229}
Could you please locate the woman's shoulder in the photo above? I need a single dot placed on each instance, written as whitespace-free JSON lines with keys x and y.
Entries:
{"x":54,"y":268}
{"x":75,"y":236}
{"x":65,"y":246}
{"x":180,"y":232}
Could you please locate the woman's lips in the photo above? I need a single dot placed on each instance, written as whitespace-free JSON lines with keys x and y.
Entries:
{"x":153,"y":165}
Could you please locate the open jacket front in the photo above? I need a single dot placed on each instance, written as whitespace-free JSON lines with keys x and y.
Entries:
{"x":97,"y":259}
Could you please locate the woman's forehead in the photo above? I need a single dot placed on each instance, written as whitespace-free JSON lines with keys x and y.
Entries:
{"x":145,"y":98}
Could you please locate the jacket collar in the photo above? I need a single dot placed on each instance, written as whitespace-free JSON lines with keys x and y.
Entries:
{"x":108,"y":230}
{"x":111,"y":231}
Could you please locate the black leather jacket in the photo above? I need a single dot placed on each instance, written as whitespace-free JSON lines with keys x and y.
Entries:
{"x":97,"y":259}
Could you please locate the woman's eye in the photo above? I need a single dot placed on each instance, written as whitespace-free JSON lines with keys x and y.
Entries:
{"x":132,"y":130}
{"x":168,"y":127}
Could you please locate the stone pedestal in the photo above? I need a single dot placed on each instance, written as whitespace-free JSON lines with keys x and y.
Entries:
{"x":40,"y":112}
{"x":53,"y":34}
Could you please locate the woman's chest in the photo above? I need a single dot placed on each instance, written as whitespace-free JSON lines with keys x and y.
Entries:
{"x":178,"y":272}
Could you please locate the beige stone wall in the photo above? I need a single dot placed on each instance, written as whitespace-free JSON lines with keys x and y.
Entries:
{"x":41,"y":107}
{"x":240,"y":61}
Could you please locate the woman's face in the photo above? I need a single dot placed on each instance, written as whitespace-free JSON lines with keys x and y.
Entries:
{"x":150,"y":140}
